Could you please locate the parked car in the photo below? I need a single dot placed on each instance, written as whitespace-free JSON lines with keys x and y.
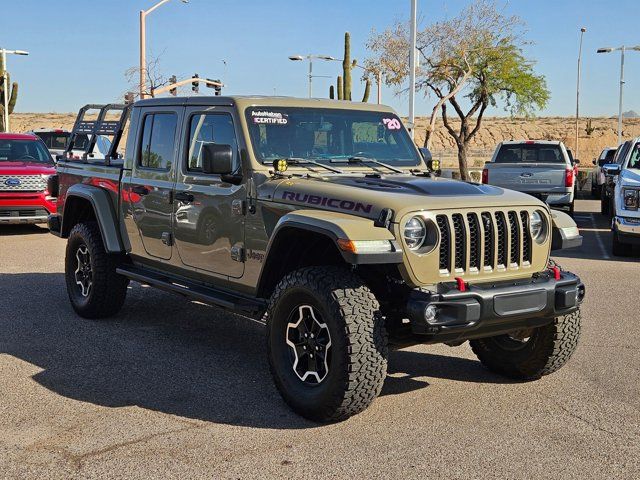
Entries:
{"x":56,"y":141}
{"x":324,"y":216}
{"x":610,"y":177}
{"x":626,"y":200}
{"x":25,"y":169}
{"x":543,"y":169}
{"x":597,"y":174}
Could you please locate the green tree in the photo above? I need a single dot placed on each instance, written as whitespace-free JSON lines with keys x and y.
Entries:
{"x":469,"y":62}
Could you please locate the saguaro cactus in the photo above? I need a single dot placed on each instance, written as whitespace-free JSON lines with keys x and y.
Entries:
{"x":7,"y":89}
{"x":344,"y":82}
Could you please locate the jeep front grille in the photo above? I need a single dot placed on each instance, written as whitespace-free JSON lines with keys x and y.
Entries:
{"x":483,"y":241}
{"x":22,"y":183}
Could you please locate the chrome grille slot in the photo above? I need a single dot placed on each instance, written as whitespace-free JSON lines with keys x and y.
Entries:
{"x":474,"y":240}
{"x":514,"y":228}
{"x":526,"y":237}
{"x":460,"y":241}
{"x":502,"y":238}
{"x":487,"y":224}
{"x":445,"y":241}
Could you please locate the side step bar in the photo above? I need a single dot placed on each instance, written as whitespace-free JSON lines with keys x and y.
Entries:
{"x":249,"y":307}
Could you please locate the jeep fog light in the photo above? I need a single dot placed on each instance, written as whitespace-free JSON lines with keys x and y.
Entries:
{"x":430,"y":313}
{"x":365,"y":246}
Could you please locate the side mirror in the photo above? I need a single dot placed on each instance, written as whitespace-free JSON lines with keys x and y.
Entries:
{"x":217,"y":159}
{"x":611,"y":169}
{"x":576,"y":162}
{"x":594,"y":161}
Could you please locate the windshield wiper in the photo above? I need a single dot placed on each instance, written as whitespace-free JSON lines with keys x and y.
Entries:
{"x":303,"y":162}
{"x":360,"y":160}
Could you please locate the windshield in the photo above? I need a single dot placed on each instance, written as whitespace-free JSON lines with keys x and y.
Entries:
{"x":634,"y":159}
{"x":327,"y":134}
{"x":58,"y":140}
{"x":24,"y":151}
{"x":530,"y":153}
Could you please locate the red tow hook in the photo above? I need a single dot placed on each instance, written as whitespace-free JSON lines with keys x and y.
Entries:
{"x":461,"y":285}
{"x":556,"y":272}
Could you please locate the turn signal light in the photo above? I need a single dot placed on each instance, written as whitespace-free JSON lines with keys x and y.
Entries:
{"x":485,"y":175}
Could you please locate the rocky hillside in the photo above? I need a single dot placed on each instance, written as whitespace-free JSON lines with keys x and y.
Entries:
{"x":493,"y":131}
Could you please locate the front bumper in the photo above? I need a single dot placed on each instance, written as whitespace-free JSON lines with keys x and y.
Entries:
{"x":628,"y":229}
{"x":22,"y":215}
{"x":492,"y":309}
{"x":25,"y":207}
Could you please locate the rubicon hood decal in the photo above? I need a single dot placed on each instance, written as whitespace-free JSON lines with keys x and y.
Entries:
{"x":338,"y":203}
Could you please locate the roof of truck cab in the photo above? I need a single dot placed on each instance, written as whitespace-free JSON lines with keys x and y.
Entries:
{"x":531,"y":142}
{"x":261,"y":101}
{"x":18,"y":136}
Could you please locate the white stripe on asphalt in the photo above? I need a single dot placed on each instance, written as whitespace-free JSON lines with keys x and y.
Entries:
{"x":605,"y":253}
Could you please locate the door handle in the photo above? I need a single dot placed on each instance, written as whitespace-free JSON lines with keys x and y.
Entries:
{"x":140,"y":190}
{"x":184,"y":197}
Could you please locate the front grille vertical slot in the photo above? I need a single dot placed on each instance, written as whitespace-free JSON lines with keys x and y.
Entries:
{"x":489,"y":239}
{"x":502,"y":239}
{"x":514,"y":227}
{"x":526,"y":237}
{"x":474,"y":241}
{"x":445,"y":242}
{"x":459,"y":241}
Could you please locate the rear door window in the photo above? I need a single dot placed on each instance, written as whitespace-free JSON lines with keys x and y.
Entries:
{"x":158,"y":141}
{"x":530,"y":153}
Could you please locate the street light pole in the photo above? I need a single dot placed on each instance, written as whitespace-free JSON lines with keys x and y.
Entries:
{"x":143,"y":45}
{"x":412,"y":67}
{"x":582,"y":30}
{"x":622,"y":49}
{"x":620,"y":99}
{"x":5,"y":82}
{"x":310,"y":57}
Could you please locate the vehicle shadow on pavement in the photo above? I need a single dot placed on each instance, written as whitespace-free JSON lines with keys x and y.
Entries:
{"x":409,"y":370}
{"x":162,"y":353}
{"x":22,"y":229}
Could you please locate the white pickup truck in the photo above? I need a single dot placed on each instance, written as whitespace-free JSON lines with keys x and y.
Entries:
{"x":543,"y":169}
{"x":626,"y":200}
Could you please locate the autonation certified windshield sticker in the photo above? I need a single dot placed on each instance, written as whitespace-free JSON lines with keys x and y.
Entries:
{"x":269,"y":118}
{"x":391,"y":123}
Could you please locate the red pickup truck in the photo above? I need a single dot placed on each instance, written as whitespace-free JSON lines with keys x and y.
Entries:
{"x":25,"y":168}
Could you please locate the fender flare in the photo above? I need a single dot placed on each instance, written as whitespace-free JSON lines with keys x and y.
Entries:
{"x":564,"y":231}
{"x":336,"y":226}
{"x":102,"y":205}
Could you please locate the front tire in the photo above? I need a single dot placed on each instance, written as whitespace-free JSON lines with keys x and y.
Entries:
{"x":331,"y":312}
{"x":544,"y":351}
{"x":94,"y":288}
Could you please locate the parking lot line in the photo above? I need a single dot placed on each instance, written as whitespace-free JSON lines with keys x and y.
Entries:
{"x":605,"y":253}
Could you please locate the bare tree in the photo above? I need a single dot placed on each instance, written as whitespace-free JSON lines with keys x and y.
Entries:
{"x":155,"y":77}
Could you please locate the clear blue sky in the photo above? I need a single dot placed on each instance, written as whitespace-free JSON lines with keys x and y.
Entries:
{"x":79,"y":49}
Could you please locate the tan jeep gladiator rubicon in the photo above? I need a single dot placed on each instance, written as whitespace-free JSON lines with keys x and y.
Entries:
{"x":322,"y":218}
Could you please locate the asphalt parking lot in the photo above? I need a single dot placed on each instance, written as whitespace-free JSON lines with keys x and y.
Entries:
{"x":174,"y":389}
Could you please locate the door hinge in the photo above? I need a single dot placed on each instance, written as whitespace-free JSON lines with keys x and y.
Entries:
{"x":237,"y":253}
{"x":238,"y":207}
{"x":167,"y":238}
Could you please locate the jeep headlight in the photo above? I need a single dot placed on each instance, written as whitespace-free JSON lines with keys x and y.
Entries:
{"x":414,"y":233}
{"x":537,"y":226}
{"x":630,"y":198}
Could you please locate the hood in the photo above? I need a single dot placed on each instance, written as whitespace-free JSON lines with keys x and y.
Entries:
{"x":630,"y":177}
{"x":26,"y":168}
{"x":367,"y":195}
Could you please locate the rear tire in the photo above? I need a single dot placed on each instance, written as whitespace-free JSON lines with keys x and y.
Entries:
{"x":604,"y":205}
{"x":546,"y":350}
{"x":350,"y":343}
{"x":94,"y":288}
{"x":618,"y":248}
